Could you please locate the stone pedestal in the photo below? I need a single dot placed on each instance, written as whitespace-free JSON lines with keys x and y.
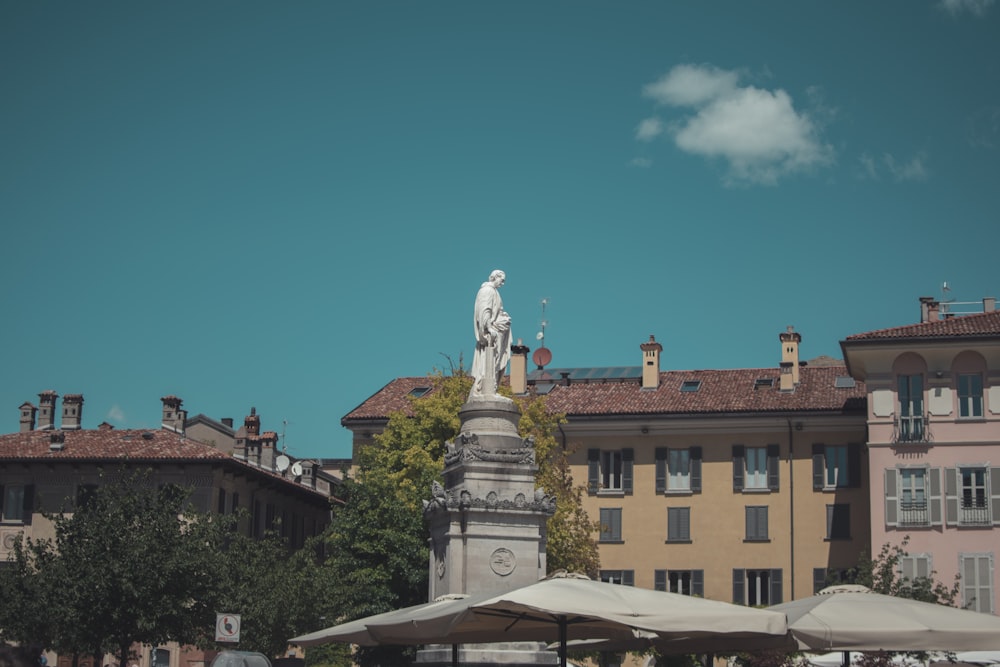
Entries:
{"x":487,"y":524}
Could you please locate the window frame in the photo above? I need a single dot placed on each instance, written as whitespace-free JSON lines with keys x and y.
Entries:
{"x":612,"y":518}
{"x":983,"y":570}
{"x":970,"y":396}
{"x":742,"y":579}
{"x":678,"y":524}
{"x":667,"y":581}
{"x":838,"y":522}
{"x":756,"y":520}
{"x":596,"y":473}
{"x":625,"y":577}
{"x":911,"y":419}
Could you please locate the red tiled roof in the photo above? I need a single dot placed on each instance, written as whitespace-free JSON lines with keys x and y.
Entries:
{"x":106,"y":445}
{"x":959,"y":326}
{"x":720,"y":392}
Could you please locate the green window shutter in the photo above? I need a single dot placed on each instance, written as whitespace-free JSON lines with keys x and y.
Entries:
{"x":659,"y":580}
{"x":772,"y":467}
{"x":994,"y":486}
{"x":776,"y":587}
{"x":819,"y":465}
{"x":739,"y":586}
{"x":661,"y":469}
{"x":738,"y":467}
{"x":891,"y":497}
{"x":819,"y":579}
{"x":934,"y":497}
{"x":628,"y":456}
{"x":628,"y":577}
{"x":695,"y":460}
{"x":698,"y":583}
{"x":951,"y":496}
{"x":593,"y":470}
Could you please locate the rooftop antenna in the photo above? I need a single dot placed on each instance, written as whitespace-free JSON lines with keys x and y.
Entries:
{"x":284,"y":447}
{"x":945,"y":300}
{"x":542,"y":355}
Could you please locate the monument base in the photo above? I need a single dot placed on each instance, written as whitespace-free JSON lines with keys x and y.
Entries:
{"x":515,"y":654}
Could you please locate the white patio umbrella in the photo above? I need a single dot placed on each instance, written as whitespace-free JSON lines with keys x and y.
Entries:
{"x":560,"y":608}
{"x":855,"y":619}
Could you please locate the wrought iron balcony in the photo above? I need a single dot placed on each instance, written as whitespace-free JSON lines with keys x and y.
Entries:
{"x":913,"y":513}
{"x":974,"y":512}
{"x":910,"y":429}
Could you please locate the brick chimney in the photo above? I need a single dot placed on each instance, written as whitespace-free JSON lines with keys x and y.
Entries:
{"x":651,"y":363}
{"x":252,"y":422}
{"x":173,"y":416}
{"x":28,"y":412}
{"x":789,"y":358}
{"x":47,"y":410}
{"x":930,"y":309}
{"x":519,"y":369}
{"x":72,"y":412}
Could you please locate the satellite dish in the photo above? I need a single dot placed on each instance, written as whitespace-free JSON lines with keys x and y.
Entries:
{"x":542,"y":356}
{"x":281,"y":463}
{"x":297,"y":469}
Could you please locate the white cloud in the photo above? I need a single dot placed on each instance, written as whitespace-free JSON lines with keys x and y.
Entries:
{"x":115,"y":413}
{"x":914,"y":169}
{"x":974,"y":7}
{"x":758,"y":132}
{"x":649,"y":129}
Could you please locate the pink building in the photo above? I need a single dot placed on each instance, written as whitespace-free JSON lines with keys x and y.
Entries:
{"x":934,"y":443}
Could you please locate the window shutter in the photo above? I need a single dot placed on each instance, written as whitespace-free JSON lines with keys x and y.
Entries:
{"x":698,"y":583}
{"x":695,"y":460}
{"x":854,"y":465}
{"x":29,"y":503}
{"x":951,"y":496}
{"x":819,"y":579}
{"x":739,"y":586}
{"x":593,"y":470}
{"x":673,"y":525}
{"x":830,"y":513}
{"x":762,"y":523}
{"x":934,"y":497}
{"x":772,"y":467}
{"x":661,"y":469}
{"x":994,"y":485}
{"x":628,"y":577}
{"x":751,"y":523}
{"x":738,"y":467}
{"x":891,"y":497}
{"x":818,"y":465}
{"x":659,"y":580}
{"x":627,"y":457}
{"x":776,"y":587}
{"x":685,"y":517}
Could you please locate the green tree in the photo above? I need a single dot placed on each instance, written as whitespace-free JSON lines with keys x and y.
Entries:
{"x":132,"y":564}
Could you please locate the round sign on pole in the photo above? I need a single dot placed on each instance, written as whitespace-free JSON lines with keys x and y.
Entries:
{"x":227,"y":627}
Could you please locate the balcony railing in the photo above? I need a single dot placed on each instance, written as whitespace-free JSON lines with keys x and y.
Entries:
{"x":910,"y":429}
{"x":973,"y":512}
{"x":913,"y":513}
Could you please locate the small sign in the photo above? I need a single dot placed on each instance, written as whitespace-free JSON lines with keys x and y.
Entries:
{"x":227,"y":627}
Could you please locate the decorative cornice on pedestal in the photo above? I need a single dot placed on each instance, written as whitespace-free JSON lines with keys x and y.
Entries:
{"x":469,"y":449}
{"x":446,"y":501}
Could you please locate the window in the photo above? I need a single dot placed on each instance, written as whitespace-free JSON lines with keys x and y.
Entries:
{"x":823,"y":577}
{"x":836,"y":466}
{"x":970,"y":395}
{"x":910,"y":423}
{"x":914,"y":567}
{"x":757,"y":587}
{"x":678,"y":470}
{"x":684,"y":582}
{"x":913,"y":497}
{"x":221,"y":509}
{"x":691,"y":385}
{"x":609,"y":470}
{"x":977,"y":582}
{"x":611,"y":524}
{"x":678,"y":524}
{"x":625,"y":577}
{"x":838,"y":521}
{"x":756,"y":520}
{"x":16,"y":502}
{"x":968,"y":495}
{"x":755,"y":468}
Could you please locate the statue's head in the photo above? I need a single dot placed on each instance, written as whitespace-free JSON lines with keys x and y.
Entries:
{"x":498,"y":277}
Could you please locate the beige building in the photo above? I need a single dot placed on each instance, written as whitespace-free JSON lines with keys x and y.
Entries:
{"x":47,"y":465}
{"x":744,"y":485}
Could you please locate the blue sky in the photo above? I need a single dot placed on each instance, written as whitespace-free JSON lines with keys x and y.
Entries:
{"x":286,"y":205}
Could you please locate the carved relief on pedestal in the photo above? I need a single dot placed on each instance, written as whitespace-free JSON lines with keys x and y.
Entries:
{"x":502,"y":561}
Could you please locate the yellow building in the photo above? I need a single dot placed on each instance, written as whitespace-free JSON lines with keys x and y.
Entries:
{"x":746,"y":485}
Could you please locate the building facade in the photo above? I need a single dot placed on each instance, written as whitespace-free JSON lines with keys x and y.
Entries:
{"x":933,"y":414}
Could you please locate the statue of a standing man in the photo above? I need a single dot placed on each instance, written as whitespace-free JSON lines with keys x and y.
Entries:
{"x":492,"y":338}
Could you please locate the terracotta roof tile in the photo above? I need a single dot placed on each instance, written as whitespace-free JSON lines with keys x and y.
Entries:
{"x":960,"y":326}
{"x":105,"y":445}
{"x":720,"y":392}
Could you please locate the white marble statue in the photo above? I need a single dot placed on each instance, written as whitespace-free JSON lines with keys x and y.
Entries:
{"x":492,"y":338}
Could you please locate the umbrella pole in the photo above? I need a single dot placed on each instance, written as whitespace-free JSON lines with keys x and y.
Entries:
{"x":454,"y":655}
{"x":562,"y":642}
{"x":847,"y":659}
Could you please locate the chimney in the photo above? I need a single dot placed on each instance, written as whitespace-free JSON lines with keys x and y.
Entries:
{"x":72,"y":412}
{"x":989,"y":304}
{"x":651,"y":363}
{"x":227,"y":421}
{"x":268,"y":443}
{"x":252,"y":422}
{"x":929,"y":309}
{"x":240,"y":444}
{"x":28,"y":412}
{"x":519,"y":369}
{"x":173,"y":415}
{"x":789,"y":358}
{"x":47,"y":410}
